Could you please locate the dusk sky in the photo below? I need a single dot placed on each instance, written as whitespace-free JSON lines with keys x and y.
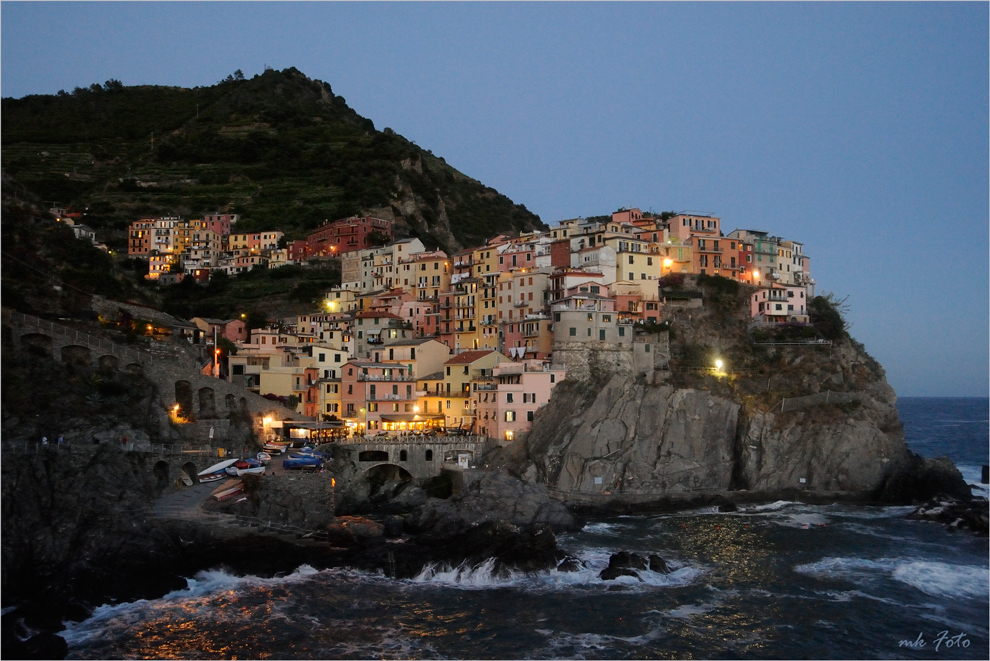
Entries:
{"x":860,"y":130}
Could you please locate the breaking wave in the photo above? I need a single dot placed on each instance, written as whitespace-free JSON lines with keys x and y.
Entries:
{"x":933,"y":578}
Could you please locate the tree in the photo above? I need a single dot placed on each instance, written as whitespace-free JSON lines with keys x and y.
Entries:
{"x":826,"y":314}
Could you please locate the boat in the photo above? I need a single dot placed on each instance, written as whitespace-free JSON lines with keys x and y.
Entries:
{"x":227,"y":491}
{"x":216,"y":471}
{"x":245,"y":467}
{"x":310,"y":452}
{"x":301,"y":461}
{"x":264,"y":457}
{"x":273,"y":446}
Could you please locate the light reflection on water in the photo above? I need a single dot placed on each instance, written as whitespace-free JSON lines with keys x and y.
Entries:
{"x":746,"y":585}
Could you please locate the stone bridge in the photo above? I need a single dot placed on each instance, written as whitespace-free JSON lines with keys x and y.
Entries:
{"x":421,"y":457}
{"x":205,"y":403}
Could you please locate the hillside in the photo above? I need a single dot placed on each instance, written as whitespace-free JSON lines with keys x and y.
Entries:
{"x":280,"y":149}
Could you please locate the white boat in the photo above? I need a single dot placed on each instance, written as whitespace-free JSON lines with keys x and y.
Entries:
{"x":264,"y":457}
{"x":216,"y":471}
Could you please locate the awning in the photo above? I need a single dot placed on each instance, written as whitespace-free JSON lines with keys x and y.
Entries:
{"x":411,"y":417}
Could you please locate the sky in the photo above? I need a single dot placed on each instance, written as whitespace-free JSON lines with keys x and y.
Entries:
{"x":860,"y":130}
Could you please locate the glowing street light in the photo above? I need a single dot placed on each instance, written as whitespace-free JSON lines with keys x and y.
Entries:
{"x":718,"y":365}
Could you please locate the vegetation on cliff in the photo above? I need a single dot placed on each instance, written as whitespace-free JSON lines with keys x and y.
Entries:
{"x":280,"y":149}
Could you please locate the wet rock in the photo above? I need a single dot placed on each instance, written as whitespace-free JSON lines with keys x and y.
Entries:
{"x":658,"y":564}
{"x":570,"y":564}
{"x":921,"y":479}
{"x":969,"y":514}
{"x":624,"y":563}
{"x":611,"y":573}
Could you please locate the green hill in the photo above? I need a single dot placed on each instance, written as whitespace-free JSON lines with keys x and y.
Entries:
{"x":280,"y":149}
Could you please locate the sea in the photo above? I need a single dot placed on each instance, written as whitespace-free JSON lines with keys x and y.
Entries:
{"x":780,"y":580}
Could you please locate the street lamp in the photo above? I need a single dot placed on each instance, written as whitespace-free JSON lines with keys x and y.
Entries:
{"x":364,"y":428}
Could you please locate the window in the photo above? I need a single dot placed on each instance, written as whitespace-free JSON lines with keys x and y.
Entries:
{"x":573,"y":332}
{"x":601,"y":335}
{"x":606,"y":318}
{"x":508,"y":398}
{"x":529,"y":416}
{"x":429,"y":455}
{"x":448,"y":371}
{"x":465,"y":369}
{"x":553,"y":378}
{"x":323,"y":357}
{"x":510,"y":416}
{"x":622,"y":331}
{"x":594,"y":289}
{"x":631,"y":259}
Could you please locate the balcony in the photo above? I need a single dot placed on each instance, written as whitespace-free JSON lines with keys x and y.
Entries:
{"x":386,"y":397}
{"x":382,"y":377}
{"x":519,"y":304}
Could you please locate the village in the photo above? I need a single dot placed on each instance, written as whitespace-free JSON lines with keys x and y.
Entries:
{"x":416,"y":341}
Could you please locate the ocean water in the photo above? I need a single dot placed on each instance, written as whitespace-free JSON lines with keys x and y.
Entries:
{"x":778,"y":580}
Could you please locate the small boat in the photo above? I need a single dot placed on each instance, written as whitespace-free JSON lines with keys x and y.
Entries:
{"x":227,"y":492}
{"x":310,"y":452}
{"x":301,"y":461}
{"x":245,"y":467}
{"x":273,"y":446}
{"x":216,"y":471}
{"x":264,"y":457}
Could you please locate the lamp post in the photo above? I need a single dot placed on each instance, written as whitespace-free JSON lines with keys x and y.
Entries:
{"x":364,"y":426}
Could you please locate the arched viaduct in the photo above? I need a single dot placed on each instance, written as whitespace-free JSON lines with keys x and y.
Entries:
{"x":421,"y":458}
{"x":204,"y":401}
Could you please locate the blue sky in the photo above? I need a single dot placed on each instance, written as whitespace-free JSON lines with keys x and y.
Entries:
{"x":858,"y":129}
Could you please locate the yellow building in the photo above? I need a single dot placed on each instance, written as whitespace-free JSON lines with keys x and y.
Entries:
{"x":451,"y":393}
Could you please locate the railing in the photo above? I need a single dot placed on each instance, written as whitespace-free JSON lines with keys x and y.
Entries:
{"x":386,"y":397}
{"x":380,"y":377}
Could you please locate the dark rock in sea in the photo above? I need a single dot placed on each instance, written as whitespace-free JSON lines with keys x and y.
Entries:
{"x":45,"y":645}
{"x":611,"y":573}
{"x":623,"y":563}
{"x":626,"y":559}
{"x":658,"y":564}
{"x":920,"y":479}
{"x":969,"y":514}
{"x":570,"y":564}
{"x":727,"y":507}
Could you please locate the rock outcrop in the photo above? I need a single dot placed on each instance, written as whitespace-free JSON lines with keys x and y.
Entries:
{"x":828,"y":429}
{"x":496,"y":496}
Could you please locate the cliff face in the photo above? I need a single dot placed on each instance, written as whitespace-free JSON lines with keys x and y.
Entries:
{"x":812,"y":420}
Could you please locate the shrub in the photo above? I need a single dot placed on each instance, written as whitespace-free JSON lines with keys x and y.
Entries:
{"x":826,"y":314}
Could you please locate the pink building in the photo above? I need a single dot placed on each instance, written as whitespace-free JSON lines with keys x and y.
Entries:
{"x":507,"y":403}
{"x":780,"y":303}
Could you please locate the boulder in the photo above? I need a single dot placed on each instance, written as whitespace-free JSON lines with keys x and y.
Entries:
{"x":969,"y":514}
{"x":570,"y":564}
{"x":658,"y":564}
{"x":495,"y":496}
{"x":920,"y":479}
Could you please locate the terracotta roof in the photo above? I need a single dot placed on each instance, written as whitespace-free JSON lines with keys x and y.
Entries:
{"x":469,"y":357}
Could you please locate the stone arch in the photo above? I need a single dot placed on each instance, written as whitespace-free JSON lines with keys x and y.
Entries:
{"x":184,"y":398}
{"x":37,"y":343}
{"x":74,"y":354}
{"x":207,"y":404}
{"x":403,"y":455}
{"x":429,"y":455}
{"x":189,"y":468}
{"x":244,"y":406}
{"x":372,"y":455}
{"x":160,"y":471}
{"x":108,"y":363}
{"x":387,"y":480}
{"x":231,"y":402}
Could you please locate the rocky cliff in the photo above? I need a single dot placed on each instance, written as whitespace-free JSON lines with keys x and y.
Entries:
{"x":801,"y":420}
